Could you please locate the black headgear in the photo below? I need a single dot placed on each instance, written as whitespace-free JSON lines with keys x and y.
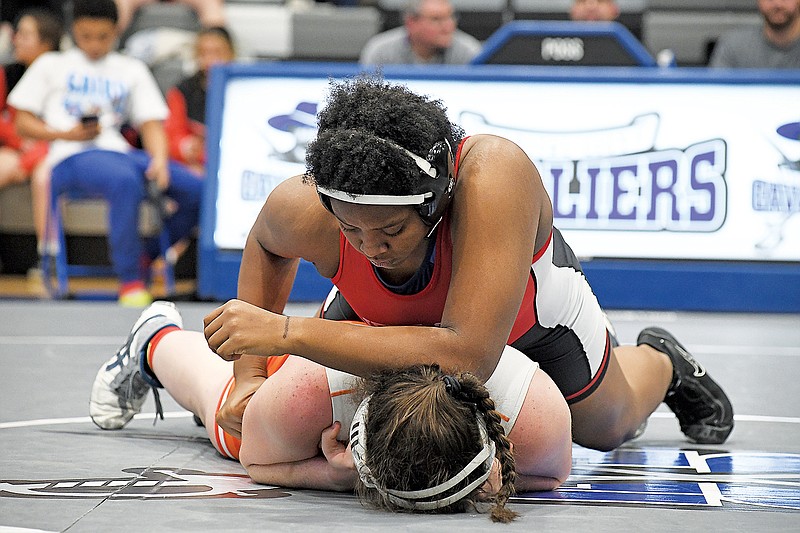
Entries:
{"x":431,"y":197}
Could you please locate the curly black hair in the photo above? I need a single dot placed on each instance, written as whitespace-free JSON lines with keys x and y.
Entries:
{"x":351,"y":152}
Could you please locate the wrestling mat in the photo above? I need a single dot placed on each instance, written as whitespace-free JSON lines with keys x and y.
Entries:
{"x":58,"y":472}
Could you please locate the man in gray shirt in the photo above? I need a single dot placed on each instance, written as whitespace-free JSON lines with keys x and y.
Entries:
{"x":428,"y":36}
{"x":774,"y":45}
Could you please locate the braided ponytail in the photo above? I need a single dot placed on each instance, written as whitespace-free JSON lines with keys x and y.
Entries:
{"x":472,"y":387}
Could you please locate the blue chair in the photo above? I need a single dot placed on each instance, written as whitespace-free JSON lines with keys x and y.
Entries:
{"x":57,"y":268}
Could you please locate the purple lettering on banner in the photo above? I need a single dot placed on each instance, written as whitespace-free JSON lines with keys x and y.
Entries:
{"x":775,"y":197}
{"x":698,"y":185}
{"x":591,"y":214}
{"x":557,"y":213}
{"x":616,"y":173}
{"x":660,"y":168}
{"x":673,"y":189}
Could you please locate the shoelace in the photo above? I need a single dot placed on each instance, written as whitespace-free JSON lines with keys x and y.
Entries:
{"x":159,"y":409}
{"x":127,"y":379}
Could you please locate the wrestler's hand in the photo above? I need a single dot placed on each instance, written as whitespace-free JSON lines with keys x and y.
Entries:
{"x":230,"y":414}
{"x":339,"y":456}
{"x":237,"y":328}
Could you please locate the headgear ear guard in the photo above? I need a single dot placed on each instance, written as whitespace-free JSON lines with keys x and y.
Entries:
{"x":432,"y":196}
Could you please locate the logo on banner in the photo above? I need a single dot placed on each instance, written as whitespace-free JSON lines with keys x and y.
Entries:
{"x":613,"y":178}
{"x":288,"y":137}
{"x":778,"y":199}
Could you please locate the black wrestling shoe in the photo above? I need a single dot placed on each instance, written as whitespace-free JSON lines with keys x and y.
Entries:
{"x":701,"y":406}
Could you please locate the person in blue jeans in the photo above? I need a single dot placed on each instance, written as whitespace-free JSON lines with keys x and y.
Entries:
{"x":77,"y":100}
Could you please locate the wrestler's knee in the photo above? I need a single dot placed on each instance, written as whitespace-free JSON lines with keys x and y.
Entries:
{"x":599,"y":429}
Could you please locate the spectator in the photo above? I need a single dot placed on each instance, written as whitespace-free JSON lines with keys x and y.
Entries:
{"x":77,"y":100}
{"x":776,"y":44}
{"x":428,"y":36}
{"x":185,"y":125}
{"x":210,"y":12}
{"x":36,"y":31}
{"x":594,"y":10}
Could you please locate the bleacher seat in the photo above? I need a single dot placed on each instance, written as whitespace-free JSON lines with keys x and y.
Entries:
{"x":692,"y":30}
{"x":333,"y":33}
{"x":318,"y":32}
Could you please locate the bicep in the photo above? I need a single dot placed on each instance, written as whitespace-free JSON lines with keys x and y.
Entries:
{"x":290,"y":226}
{"x":496,"y":219}
{"x":265,"y":279}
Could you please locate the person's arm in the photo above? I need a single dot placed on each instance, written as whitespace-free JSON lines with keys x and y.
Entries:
{"x":185,"y":145}
{"x":334,"y":470}
{"x":265,"y":280}
{"x":29,"y":125}
{"x":542,"y":437}
{"x":154,"y":141}
{"x":289,"y":438}
{"x":314,"y":473}
{"x":501,"y":213}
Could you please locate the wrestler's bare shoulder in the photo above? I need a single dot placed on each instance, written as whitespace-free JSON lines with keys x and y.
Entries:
{"x":297,"y":225}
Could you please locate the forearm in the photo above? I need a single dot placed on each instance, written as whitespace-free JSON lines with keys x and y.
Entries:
{"x":249,"y":368}
{"x":29,"y":125}
{"x":154,"y":140}
{"x":314,"y":473}
{"x":362,"y":351}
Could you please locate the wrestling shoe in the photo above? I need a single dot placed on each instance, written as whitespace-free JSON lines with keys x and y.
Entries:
{"x":703,"y":410}
{"x":121,"y":385}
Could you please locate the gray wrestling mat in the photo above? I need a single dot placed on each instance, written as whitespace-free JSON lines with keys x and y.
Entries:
{"x":58,"y":472}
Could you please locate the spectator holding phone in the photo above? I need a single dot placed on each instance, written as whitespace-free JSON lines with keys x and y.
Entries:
{"x":77,"y":100}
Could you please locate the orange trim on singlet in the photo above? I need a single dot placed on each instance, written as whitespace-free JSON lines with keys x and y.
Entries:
{"x":227,"y":445}
{"x":275,"y":362}
{"x":342,"y":392}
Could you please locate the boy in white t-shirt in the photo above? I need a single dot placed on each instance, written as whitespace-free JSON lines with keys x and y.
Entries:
{"x":78,"y":100}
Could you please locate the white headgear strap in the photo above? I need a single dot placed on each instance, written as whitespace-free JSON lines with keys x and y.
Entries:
{"x":375,"y":199}
{"x":385,"y":199}
{"x":410,"y":499}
